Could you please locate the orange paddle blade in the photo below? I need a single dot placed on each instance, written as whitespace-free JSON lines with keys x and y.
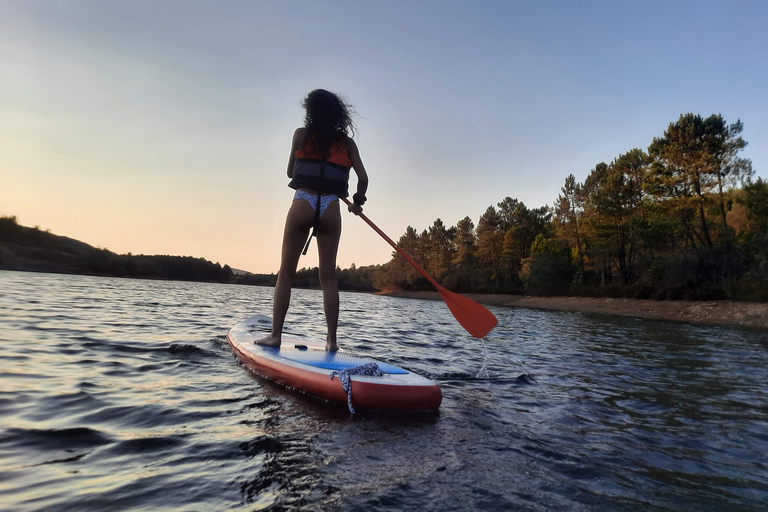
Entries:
{"x":475,"y":318}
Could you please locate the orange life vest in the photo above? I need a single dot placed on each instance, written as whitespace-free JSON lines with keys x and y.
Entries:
{"x":327,"y":175}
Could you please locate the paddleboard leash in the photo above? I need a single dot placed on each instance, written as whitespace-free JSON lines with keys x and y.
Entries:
{"x":370,"y":369}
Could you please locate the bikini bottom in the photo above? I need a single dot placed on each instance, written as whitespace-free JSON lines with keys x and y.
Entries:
{"x":325,"y":200}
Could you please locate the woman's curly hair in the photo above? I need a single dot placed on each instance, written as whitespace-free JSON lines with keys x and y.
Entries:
{"x":328,"y":121}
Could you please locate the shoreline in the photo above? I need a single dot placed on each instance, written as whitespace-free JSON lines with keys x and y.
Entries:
{"x":725,"y":313}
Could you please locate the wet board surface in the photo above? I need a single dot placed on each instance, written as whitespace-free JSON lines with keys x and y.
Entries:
{"x":335,"y":361}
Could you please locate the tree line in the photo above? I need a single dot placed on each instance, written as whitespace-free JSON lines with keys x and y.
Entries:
{"x":681,"y":220}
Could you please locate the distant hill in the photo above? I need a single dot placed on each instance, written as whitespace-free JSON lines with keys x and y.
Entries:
{"x":23,"y":248}
{"x":32,"y":249}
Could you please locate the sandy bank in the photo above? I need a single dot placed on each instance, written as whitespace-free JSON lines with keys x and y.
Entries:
{"x":721,"y":312}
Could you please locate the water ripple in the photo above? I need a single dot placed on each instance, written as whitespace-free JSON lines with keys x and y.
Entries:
{"x":118,"y":391}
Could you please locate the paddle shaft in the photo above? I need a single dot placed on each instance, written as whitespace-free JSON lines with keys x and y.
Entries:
{"x":395,"y":246}
{"x":475,"y":318}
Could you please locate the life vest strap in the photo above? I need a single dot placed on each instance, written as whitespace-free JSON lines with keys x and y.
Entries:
{"x":317,"y":212}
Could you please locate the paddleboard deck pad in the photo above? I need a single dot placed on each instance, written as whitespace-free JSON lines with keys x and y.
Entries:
{"x":302,"y":363}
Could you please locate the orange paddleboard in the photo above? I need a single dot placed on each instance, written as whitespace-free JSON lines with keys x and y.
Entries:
{"x":302,"y":363}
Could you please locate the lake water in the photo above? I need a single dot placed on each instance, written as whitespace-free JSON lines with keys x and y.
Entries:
{"x":120,"y":394}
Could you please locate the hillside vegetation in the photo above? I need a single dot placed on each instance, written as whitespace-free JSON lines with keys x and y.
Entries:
{"x":32,"y":249}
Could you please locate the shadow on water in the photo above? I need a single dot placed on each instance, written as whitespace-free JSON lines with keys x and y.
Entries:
{"x":289,"y":445}
{"x":522,"y":379}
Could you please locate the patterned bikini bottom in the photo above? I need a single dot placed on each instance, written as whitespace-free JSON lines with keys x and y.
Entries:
{"x":312,"y":199}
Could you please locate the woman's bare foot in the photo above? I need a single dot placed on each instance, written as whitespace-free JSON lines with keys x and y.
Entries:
{"x":269,"y":341}
{"x":331,"y":346}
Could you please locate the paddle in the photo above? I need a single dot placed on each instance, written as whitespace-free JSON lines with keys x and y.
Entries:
{"x":476,"y":319}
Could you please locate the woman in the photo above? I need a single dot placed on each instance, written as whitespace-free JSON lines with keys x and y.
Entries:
{"x":322,"y":154}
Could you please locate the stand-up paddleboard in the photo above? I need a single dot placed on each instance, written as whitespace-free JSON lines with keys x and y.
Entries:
{"x":302,"y":363}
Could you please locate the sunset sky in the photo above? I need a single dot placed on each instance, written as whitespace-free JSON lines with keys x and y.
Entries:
{"x":163,"y":127}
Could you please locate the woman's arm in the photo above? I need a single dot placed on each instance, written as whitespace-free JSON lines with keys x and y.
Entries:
{"x":362,"y":176}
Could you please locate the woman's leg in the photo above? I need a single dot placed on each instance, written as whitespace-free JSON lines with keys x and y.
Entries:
{"x":328,"y":235}
{"x":297,"y":225}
